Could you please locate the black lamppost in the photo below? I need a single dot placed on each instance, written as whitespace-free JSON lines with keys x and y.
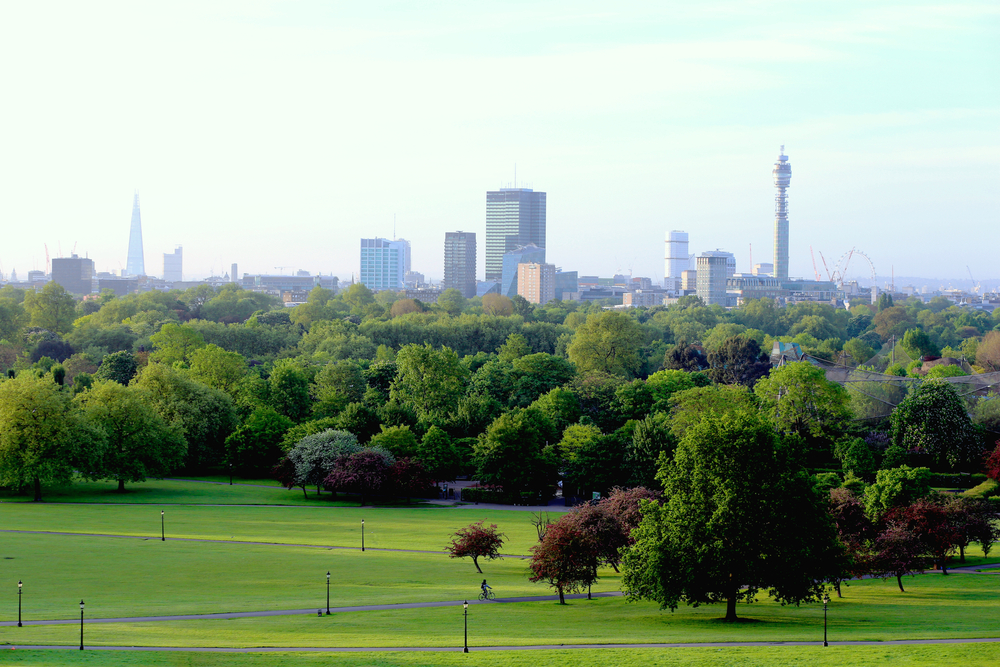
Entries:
{"x":826,"y":600}
{"x":328,"y":593}
{"x":362,"y":534}
{"x":230,"y":474}
{"x":19,"y":584}
{"x":163,"y":535}
{"x":81,"y":625}
{"x":466,"y":607}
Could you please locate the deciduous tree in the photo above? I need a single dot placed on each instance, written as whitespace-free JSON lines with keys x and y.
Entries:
{"x":740,"y":516}
{"x":477,"y":541}
{"x":565,"y":559}
{"x":138,"y":442}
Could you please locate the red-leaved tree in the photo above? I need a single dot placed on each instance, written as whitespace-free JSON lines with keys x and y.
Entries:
{"x":930,"y":522}
{"x":898,"y":551}
{"x":362,"y":472}
{"x":855,"y":531}
{"x":409,"y":478}
{"x":477,"y":541}
{"x":993,"y":463}
{"x":974,"y":521}
{"x":566,"y":558}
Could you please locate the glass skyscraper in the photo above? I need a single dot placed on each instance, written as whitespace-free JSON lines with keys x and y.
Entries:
{"x":523,"y":255}
{"x":134,"y":264}
{"x":460,"y":262}
{"x":515,"y":217}
{"x":384,"y":263}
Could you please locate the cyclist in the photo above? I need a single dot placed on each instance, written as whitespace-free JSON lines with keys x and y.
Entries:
{"x":486,"y":589}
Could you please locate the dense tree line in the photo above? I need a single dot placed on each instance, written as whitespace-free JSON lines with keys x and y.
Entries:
{"x":521,"y":397}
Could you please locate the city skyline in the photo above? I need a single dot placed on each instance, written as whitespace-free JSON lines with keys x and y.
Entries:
{"x":636,"y":121}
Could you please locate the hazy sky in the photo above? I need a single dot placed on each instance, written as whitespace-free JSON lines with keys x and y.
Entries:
{"x":279,"y":133}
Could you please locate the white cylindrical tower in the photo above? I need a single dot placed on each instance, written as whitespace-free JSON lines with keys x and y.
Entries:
{"x":676,"y":259}
{"x":782,"y":173}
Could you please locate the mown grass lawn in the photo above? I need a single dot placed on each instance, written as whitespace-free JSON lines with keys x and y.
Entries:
{"x":425,"y":527}
{"x":140,"y":577}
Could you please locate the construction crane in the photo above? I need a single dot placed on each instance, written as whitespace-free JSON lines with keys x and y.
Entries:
{"x":48,"y":268}
{"x":815,"y":270}
{"x":280,"y":268}
{"x":825,"y":267}
{"x":975,"y":285}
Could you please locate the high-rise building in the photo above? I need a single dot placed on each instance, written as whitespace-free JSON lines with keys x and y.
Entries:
{"x":514,"y":217}
{"x":567,"y":282}
{"x":134,"y":264}
{"x":782,"y":173}
{"x":460,"y":262}
{"x":712,"y":274}
{"x":75,"y":274}
{"x":232,"y":273}
{"x":173,"y":265}
{"x":730,"y":260}
{"x":676,"y":259}
{"x":763,"y":269}
{"x":383,"y":264}
{"x":521,"y":255}
{"x":536,"y":282}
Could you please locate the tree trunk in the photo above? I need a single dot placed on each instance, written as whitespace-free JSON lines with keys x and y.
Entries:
{"x":319,"y":490}
{"x":38,"y":490}
{"x":731,"y":601}
{"x":304,"y":494}
{"x":614,"y":566}
{"x":836,"y":585}
{"x":961,"y":553}
{"x":731,"y":608}
{"x":562,"y":599}
{"x":475,"y":561}
{"x":899,"y":580}
{"x":121,"y":486}
{"x":588,"y":592}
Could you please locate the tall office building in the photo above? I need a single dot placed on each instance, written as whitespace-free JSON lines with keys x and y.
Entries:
{"x":536,"y":282}
{"x":782,"y":174}
{"x":711,"y":278}
{"x":676,"y":259}
{"x":173,"y":265}
{"x":730,"y":260}
{"x":383,"y":263}
{"x":134,"y":264}
{"x":232,"y":273}
{"x":460,"y":263}
{"x":514,"y":217}
{"x":521,"y":255}
{"x":75,"y":274}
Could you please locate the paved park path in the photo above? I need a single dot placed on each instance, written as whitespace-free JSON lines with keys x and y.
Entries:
{"x":536,"y":647}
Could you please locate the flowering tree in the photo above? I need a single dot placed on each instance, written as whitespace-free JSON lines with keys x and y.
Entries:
{"x":993,"y":463}
{"x":477,"y":541}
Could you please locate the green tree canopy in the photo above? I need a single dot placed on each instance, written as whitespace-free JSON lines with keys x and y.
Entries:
{"x":52,"y":308}
{"x":932,"y":420}
{"x":740,"y":517}
{"x":432,"y":381}
{"x":608,"y":342}
{"x":138,"y":442}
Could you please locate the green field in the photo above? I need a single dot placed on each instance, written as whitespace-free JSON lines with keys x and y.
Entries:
{"x":122,"y":577}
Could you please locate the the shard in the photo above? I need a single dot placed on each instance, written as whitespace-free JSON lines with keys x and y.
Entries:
{"x":135,"y":266}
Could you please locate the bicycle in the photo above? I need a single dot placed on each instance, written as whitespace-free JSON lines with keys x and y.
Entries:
{"x":487,"y":594}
